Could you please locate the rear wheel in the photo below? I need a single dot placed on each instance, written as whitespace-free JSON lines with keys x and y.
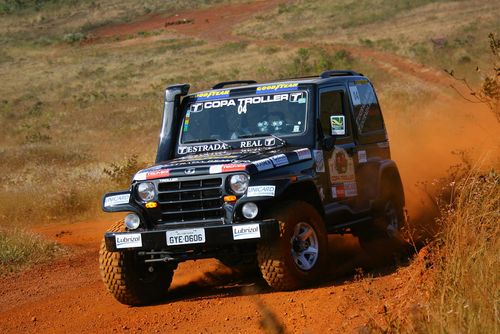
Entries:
{"x":389,"y":221}
{"x":298,"y":257}
{"x":129,"y":279}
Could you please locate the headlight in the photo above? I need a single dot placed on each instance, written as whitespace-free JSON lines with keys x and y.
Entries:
{"x":238,"y":183}
{"x":250,"y":210}
{"x":132,"y":221}
{"x":146,"y":191}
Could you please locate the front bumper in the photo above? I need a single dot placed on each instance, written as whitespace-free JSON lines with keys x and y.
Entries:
{"x":215,"y":237}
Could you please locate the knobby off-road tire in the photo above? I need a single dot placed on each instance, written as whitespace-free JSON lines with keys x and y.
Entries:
{"x":298,"y":257}
{"x":386,"y":232}
{"x":128,"y":278}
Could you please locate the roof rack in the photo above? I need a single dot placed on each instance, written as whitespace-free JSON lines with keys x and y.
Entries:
{"x":237,"y":82}
{"x":331,"y":73}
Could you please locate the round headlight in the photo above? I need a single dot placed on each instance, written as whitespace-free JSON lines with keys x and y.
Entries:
{"x":146,"y":191}
{"x":250,"y":210}
{"x":238,"y":183}
{"x":132,"y":221}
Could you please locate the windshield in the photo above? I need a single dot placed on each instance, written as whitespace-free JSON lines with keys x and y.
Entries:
{"x":281,"y":115}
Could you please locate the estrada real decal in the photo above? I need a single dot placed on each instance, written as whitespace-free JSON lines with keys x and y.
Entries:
{"x":202,"y":148}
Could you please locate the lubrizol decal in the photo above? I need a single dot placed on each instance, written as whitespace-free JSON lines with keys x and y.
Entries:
{"x":303,"y":153}
{"x":249,"y":231}
{"x":279,"y":160}
{"x":263,"y":164}
{"x":128,"y":240}
{"x":256,"y":191}
{"x":116,"y":200}
{"x":278,"y":87}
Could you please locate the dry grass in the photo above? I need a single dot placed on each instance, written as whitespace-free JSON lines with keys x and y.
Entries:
{"x":19,"y":248}
{"x":465,"y":290}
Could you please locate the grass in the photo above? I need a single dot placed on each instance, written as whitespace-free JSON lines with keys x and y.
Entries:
{"x":20,"y":248}
{"x":465,"y":287}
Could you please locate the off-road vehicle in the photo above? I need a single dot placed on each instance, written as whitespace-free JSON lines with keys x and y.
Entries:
{"x":258,"y":173}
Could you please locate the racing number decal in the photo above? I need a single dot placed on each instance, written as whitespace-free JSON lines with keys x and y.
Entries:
{"x":342,"y":177}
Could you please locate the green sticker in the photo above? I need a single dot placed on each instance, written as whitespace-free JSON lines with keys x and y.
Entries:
{"x":337,"y":124}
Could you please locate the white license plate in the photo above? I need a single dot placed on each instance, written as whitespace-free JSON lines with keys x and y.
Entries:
{"x":186,"y":237}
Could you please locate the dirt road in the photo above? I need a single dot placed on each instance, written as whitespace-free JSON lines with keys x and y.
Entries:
{"x":68,"y":295}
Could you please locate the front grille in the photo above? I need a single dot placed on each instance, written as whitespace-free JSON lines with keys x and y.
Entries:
{"x":191,"y":200}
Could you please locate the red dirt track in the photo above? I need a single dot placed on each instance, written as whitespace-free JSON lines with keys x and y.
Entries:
{"x":68,"y":296}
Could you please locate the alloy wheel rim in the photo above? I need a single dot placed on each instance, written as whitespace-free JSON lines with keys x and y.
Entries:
{"x":305,"y":246}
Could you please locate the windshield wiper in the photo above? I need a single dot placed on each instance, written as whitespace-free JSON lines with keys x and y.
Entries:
{"x":208,"y":140}
{"x":259,"y":134}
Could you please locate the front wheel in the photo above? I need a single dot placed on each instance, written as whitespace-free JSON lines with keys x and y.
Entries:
{"x":298,"y":257}
{"x":129,"y":279}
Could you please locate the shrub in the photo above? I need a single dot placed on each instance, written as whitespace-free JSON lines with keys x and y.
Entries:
{"x":121,"y":173}
{"x":19,"y":248}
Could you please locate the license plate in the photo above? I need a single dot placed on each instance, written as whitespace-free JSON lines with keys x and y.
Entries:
{"x":186,"y":237}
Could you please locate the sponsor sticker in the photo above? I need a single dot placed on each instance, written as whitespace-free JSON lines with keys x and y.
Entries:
{"x":362,"y":156}
{"x":303,"y":154}
{"x":157,"y":174}
{"x":186,"y":236}
{"x":214,"y":94}
{"x":337,"y":124}
{"x":320,"y":162}
{"x":128,"y":240}
{"x":263,"y":164}
{"x":350,"y":189}
{"x":250,"y":231}
{"x":279,"y":160}
{"x":116,"y":199}
{"x":256,"y":191}
{"x":216,"y":169}
{"x":279,"y":87}
{"x":356,"y":100}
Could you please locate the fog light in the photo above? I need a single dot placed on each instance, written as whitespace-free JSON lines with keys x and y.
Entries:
{"x":250,"y":210}
{"x":132,"y":221}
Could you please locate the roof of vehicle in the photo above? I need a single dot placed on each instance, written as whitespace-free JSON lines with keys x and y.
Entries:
{"x":326,"y":76}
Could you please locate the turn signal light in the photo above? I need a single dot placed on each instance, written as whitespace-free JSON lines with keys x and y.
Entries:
{"x":151,"y":205}
{"x":230,"y":198}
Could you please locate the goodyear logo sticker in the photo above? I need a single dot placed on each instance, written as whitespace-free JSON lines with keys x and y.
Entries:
{"x":279,"y":87}
{"x":211,"y":95}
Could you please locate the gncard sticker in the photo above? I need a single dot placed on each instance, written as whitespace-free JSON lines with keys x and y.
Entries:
{"x":279,"y":160}
{"x":256,"y":191}
{"x":362,"y":156}
{"x":116,"y":199}
{"x":128,"y":240}
{"x":337,"y":124}
{"x":320,"y":162}
{"x":263,"y":164}
{"x":356,"y":100}
{"x":250,"y":231}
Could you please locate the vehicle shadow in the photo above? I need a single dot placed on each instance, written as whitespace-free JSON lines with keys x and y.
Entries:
{"x":346,"y":260}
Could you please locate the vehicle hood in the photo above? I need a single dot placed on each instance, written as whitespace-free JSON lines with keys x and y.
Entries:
{"x":251,"y":161}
